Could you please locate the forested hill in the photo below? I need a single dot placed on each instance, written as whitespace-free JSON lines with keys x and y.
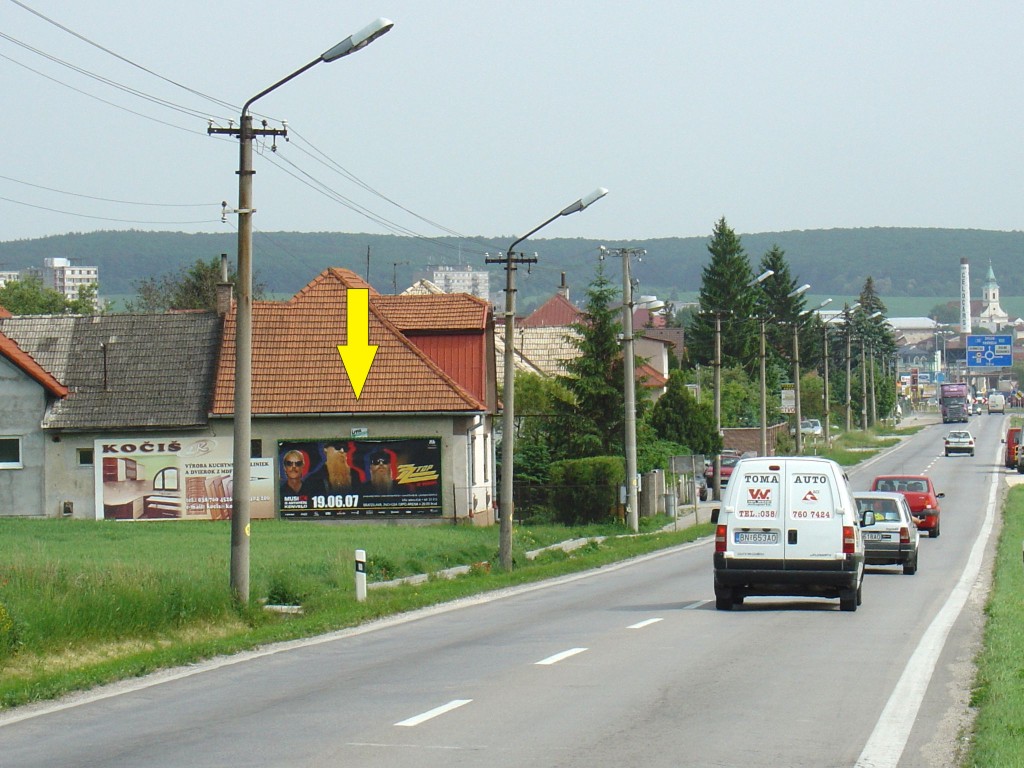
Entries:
{"x":903,"y":262}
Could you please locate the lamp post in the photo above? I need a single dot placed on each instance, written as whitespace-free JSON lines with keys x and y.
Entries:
{"x":764,"y":393}
{"x":629,"y":382}
{"x":508,"y":416}
{"x":796,"y":365}
{"x":716,"y":484}
{"x":847,"y":322}
{"x":242,"y":451}
{"x":864,"y":341}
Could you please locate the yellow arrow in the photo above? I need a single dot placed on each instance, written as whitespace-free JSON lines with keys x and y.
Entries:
{"x":357,"y":355}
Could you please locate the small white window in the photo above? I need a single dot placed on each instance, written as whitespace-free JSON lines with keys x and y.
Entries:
{"x":10,"y":453}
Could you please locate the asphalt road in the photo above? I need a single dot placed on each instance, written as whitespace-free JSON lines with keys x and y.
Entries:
{"x":630,"y":665}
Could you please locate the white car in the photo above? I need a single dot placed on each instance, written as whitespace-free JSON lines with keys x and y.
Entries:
{"x":959,"y":441}
{"x":890,"y":536}
{"x":810,"y":427}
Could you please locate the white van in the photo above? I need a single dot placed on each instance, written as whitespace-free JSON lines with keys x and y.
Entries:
{"x":788,"y":526}
{"x":996,"y":402}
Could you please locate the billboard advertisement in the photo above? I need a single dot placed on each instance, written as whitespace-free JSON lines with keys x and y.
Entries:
{"x":359,"y":478}
{"x":174,"y":478}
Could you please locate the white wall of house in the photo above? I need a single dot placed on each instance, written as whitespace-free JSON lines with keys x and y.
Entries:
{"x":467,"y":463}
{"x":21,"y":410}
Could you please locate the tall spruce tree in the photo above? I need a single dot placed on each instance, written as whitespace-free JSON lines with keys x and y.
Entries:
{"x":725,"y":293}
{"x":593,"y":422}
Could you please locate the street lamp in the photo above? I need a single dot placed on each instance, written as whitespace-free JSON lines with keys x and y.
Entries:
{"x":864,"y":341}
{"x":827,"y":395}
{"x":242,"y":451}
{"x":764,"y":393}
{"x":508,"y":416}
{"x":716,"y":484}
{"x":796,"y":365}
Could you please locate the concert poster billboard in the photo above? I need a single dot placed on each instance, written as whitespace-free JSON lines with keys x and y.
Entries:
{"x":359,"y":478}
{"x":175,"y":478}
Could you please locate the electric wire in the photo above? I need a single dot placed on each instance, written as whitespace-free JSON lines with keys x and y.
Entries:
{"x":107,"y":81}
{"x":298,"y":173}
{"x":109,"y":199}
{"x":101,"y":218}
{"x":128,"y":61}
{"x":100,"y":99}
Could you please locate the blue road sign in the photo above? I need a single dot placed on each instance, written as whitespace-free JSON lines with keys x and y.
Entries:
{"x":995,"y":351}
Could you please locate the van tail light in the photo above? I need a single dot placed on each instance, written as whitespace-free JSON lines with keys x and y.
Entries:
{"x":720,"y":538}
{"x":904,"y":535}
{"x":849,"y":540}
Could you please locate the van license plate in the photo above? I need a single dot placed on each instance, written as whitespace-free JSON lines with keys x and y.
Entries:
{"x":757,"y":537}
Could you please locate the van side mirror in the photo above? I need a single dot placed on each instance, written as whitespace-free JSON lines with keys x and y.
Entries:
{"x":867,"y":519}
{"x":714,"y":515}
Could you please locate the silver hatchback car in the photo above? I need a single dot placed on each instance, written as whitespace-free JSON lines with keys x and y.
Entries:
{"x":890,"y":536}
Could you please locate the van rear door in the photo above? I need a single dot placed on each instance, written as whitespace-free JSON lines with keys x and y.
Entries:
{"x":756,"y":527}
{"x":814,"y":527}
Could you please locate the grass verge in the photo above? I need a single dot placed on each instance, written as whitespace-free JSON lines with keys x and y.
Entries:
{"x":998,"y":695}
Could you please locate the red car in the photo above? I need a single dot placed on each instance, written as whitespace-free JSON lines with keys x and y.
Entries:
{"x":921,"y":498}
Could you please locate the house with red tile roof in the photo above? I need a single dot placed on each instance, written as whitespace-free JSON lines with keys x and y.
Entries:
{"x":424,"y":412}
{"x":28,"y":391}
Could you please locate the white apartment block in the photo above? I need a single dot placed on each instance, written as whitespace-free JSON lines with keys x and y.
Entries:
{"x":462,"y":279}
{"x":5,"y":276}
{"x":67,"y":278}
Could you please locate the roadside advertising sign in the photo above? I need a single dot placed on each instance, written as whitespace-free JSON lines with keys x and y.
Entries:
{"x":359,"y":478}
{"x":174,"y":478}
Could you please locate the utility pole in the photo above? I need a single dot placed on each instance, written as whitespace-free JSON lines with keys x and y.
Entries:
{"x":629,"y":386}
{"x":242,"y":449}
{"x":511,"y":261}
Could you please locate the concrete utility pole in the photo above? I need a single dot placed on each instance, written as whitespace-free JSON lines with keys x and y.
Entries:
{"x":629,"y":384}
{"x":241,"y":471}
{"x":508,"y":423}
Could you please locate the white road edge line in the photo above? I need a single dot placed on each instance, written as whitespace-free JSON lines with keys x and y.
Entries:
{"x":560,"y":656}
{"x":889,"y":738}
{"x":435,"y":712}
{"x":642,"y":624}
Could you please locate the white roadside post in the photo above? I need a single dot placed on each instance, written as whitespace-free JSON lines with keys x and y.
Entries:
{"x":361,"y":575}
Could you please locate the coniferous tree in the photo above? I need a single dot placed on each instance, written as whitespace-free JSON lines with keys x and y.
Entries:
{"x":593,"y":423}
{"x":725,"y":293}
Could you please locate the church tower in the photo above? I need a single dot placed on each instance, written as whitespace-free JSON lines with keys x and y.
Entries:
{"x":992,"y":315}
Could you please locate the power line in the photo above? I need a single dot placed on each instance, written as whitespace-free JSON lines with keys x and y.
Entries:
{"x":97,"y":98}
{"x":122,"y":58}
{"x":101,"y":218}
{"x":108,"y":199}
{"x":106,"y":80}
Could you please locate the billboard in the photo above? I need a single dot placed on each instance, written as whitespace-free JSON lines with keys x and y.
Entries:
{"x":174,"y":478}
{"x":359,"y":478}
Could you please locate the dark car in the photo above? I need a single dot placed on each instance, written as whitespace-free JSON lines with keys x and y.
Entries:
{"x":921,"y":498}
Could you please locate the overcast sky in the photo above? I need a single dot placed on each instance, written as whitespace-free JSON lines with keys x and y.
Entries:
{"x":485,"y":118}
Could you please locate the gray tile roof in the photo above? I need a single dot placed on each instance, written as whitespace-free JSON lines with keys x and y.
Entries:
{"x":125,"y":371}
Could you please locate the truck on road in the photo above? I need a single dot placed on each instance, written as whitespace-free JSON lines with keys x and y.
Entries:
{"x":954,"y":402}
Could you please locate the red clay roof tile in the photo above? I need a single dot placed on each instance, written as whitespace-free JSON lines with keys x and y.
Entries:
{"x":297,"y":368}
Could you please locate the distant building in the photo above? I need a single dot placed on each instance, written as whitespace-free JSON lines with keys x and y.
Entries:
{"x":462,"y":279}
{"x":67,"y":278}
{"x":7,"y":276}
{"x":992,"y":315}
